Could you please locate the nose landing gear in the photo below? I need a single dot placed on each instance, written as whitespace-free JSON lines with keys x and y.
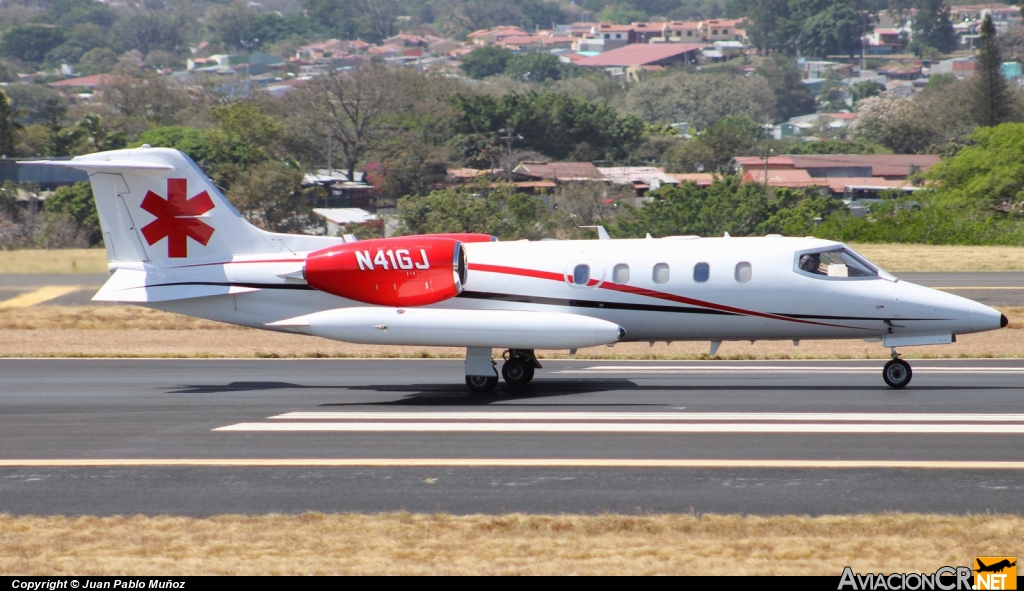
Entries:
{"x":897,"y":373}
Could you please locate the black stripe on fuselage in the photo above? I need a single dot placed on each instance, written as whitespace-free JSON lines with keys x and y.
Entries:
{"x":524,"y":299}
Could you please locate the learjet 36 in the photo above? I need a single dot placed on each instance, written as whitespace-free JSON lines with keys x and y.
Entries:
{"x":175,"y":243}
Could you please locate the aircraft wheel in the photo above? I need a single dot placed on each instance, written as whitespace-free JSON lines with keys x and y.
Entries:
{"x":481,"y":384}
{"x":516,"y":373}
{"x":897,"y":373}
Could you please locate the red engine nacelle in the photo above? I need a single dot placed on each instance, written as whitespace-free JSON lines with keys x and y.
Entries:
{"x":404,"y":271}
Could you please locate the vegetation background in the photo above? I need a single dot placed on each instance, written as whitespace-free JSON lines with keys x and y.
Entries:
{"x":405,"y":128}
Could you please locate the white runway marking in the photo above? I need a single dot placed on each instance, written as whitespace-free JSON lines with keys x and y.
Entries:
{"x":639,"y":422}
{"x":509,"y":463}
{"x":495,"y":427}
{"x":653,"y":416}
{"x":733,"y":369}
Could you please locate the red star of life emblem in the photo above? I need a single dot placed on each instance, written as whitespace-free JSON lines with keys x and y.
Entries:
{"x":176,"y":218}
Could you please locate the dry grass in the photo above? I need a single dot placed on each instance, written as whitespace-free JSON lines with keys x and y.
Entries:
{"x":402,"y":543}
{"x":128,"y":331}
{"x":75,"y":260}
{"x":102,"y":318}
{"x":892,"y":257}
{"x":898,"y":258}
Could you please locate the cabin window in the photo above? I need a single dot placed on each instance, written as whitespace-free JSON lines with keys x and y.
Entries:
{"x":743,"y":272}
{"x":620,"y":274}
{"x":838,"y":262}
{"x":581,"y":275}
{"x":660,"y":274}
{"x":701,"y":272}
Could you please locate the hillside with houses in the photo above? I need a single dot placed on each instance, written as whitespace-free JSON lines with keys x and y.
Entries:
{"x":347,"y":116}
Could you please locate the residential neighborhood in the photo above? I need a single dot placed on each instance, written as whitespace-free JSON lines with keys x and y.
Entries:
{"x":667,"y":86}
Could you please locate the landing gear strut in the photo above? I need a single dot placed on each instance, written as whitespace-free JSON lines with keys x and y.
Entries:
{"x":481,"y":375}
{"x":519,"y":367}
{"x":896,"y":372}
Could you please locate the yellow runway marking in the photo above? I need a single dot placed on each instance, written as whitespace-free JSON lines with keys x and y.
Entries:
{"x":43,"y":294}
{"x":506,"y":463}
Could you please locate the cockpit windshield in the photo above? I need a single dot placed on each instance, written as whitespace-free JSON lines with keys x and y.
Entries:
{"x":837,"y":262}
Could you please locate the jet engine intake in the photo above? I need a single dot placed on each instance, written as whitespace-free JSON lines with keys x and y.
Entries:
{"x":403,"y":271}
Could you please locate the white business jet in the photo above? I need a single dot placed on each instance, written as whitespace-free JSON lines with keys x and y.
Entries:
{"x":175,"y":243}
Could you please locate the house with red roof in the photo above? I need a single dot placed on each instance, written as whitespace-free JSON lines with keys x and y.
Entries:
{"x":485,"y":37}
{"x":82,"y":82}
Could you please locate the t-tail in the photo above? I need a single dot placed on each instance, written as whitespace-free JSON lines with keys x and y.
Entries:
{"x":159,"y":212}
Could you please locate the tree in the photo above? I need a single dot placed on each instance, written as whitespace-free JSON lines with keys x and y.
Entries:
{"x":557,"y":125}
{"x":190,"y":140}
{"x":146,"y":31}
{"x":485,"y":61}
{"x":728,"y":205}
{"x":737,"y":135}
{"x":30,"y":43}
{"x":76,"y":202}
{"x":27,"y":101}
{"x":835,"y":28}
{"x":535,"y":67}
{"x":992,"y":100}
{"x":378,"y":17}
{"x":767,"y":25}
{"x":68,"y":13}
{"x":7,"y":140}
{"x":350,"y":111}
{"x":500,"y":212}
{"x":543,"y":13}
{"x":932,"y":28}
{"x":701,"y":98}
{"x":832,"y":97}
{"x":866,"y":89}
{"x":98,"y":61}
{"x":622,"y":14}
{"x":96,"y":136}
{"x":792,"y":97}
{"x":138,"y":100}
{"x":987,"y":172}
{"x":236,"y":26}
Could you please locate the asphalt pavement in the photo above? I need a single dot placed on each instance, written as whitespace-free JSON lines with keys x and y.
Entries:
{"x":204,"y":437}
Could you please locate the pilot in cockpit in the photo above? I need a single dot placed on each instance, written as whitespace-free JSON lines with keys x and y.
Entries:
{"x":811,"y":263}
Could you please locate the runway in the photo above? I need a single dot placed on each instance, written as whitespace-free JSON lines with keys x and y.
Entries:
{"x":993,"y":289}
{"x":203,"y":437}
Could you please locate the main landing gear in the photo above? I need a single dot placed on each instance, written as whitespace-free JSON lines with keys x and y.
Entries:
{"x":896,"y":372}
{"x":482,"y":373}
{"x":519,"y":367}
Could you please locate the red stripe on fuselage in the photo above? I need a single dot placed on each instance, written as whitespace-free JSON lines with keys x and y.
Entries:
{"x":650,"y":293}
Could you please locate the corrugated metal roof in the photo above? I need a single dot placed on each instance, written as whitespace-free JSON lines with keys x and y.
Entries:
{"x":560,"y":171}
{"x":639,"y":54}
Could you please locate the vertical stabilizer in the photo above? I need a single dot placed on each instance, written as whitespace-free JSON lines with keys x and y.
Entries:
{"x":155,"y":205}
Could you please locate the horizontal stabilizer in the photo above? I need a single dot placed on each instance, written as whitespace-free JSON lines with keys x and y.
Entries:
{"x":104,"y":165}
{"x":133,"y":286}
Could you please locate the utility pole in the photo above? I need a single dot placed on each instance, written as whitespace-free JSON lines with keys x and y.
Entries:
{"x":767,"y":154}
{"x":509,"y":137}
